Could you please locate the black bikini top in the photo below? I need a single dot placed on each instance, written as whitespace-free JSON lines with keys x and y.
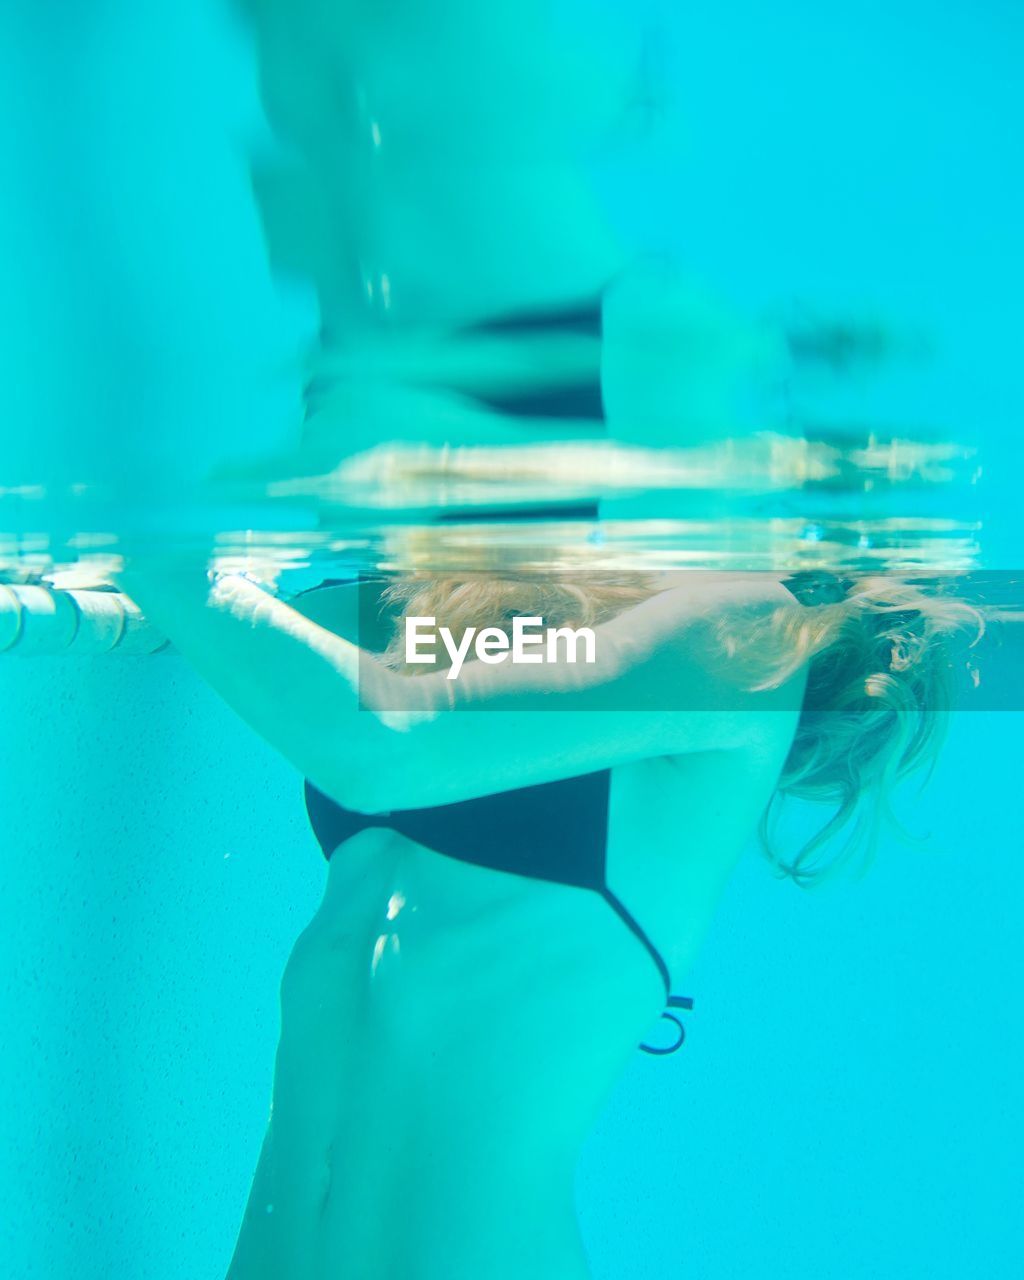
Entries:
{"x":554,"y":831}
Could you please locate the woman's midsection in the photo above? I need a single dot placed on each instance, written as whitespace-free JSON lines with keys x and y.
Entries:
{"x":445,"y":1046}
{"x":430,"y":998}
{"x":419,"y":966}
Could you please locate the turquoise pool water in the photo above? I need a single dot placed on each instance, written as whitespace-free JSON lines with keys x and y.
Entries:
{"x":848,"y":1103}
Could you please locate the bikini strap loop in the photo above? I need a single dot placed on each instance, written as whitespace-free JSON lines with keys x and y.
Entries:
{"x":673,"y":1002}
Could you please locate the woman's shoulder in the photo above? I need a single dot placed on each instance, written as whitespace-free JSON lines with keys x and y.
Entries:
{"x":701,"y":619}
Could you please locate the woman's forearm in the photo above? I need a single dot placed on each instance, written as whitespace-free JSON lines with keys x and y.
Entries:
{"x":294,"y":683}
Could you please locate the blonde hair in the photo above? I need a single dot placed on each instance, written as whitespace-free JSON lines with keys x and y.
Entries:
{"x":879,"y":683}
{"x":489,"y":599}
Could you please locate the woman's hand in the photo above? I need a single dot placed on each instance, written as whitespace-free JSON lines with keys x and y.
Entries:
{"x":293,"y":682}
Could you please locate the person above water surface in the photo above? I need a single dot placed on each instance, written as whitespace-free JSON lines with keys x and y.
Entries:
{"x":521,"y":865}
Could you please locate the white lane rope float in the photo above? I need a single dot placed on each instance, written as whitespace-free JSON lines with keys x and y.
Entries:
{"x":37,"y":620}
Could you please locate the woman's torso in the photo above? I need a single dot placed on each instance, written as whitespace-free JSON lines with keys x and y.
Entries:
{"x":449,"y":1032}
{"x":440,"y":155}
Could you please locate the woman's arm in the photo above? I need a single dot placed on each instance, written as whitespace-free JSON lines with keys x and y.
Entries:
{"x":375,"y":739}
{"x":291,"y":680}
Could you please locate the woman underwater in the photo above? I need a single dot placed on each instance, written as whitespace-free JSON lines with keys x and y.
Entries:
{"x":522,"y":863}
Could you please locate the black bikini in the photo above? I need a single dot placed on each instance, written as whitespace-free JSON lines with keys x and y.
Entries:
{"x":554,"y":831}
